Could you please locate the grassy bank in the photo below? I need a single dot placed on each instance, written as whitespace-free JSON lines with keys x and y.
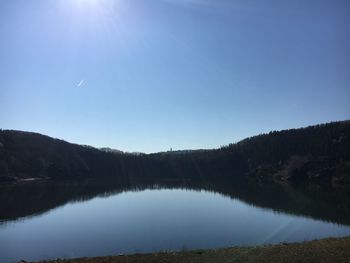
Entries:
{"x":325,"y":250}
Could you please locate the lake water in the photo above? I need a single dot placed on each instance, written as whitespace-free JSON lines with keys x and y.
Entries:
{"x":153,"y":220}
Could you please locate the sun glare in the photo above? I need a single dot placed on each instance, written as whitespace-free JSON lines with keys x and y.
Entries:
{"x":97,"y":9}
{"x":87,"y":3}
{"x":94,"y":4}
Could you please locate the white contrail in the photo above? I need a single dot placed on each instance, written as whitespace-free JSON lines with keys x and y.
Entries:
{"x":81,"y":83}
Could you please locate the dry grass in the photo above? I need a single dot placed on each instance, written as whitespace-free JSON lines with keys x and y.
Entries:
{"x":326,"y":250}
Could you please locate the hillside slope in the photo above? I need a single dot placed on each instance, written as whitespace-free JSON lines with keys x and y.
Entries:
{"x":315,"y":154}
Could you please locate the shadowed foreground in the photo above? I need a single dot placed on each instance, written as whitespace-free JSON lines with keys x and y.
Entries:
{"x":325,"y":250}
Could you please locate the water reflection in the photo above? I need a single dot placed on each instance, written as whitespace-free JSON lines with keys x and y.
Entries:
{"x":31,"y":199}
{"x":147,"y":219}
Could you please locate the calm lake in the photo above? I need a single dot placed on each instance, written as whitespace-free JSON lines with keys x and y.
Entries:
{"x":153,"y":220}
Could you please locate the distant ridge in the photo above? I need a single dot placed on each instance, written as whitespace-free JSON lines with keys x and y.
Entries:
{"x":314,"y":154}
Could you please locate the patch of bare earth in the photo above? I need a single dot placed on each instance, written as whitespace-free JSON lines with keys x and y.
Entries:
{"x":326,"y":250}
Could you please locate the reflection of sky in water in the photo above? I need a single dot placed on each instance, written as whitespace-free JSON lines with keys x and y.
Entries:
{"x":153,"y":220}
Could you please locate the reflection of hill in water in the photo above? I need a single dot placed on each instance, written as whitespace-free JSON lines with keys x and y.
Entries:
{"x":30,"y":199}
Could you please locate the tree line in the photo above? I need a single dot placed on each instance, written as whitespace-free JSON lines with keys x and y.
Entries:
{"x":315,"y":154}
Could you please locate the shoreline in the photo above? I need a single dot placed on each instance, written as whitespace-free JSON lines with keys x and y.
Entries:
{"x":323,"y":250}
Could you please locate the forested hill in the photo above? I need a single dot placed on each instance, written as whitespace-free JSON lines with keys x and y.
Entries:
{"x":318,"y":154}
{"x":32,"y":155}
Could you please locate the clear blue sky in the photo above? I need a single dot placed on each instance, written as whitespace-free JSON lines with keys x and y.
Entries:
{"x":147,"y":75}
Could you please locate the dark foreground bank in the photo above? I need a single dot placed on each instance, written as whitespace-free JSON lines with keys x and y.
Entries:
{"x":325,"y":250}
